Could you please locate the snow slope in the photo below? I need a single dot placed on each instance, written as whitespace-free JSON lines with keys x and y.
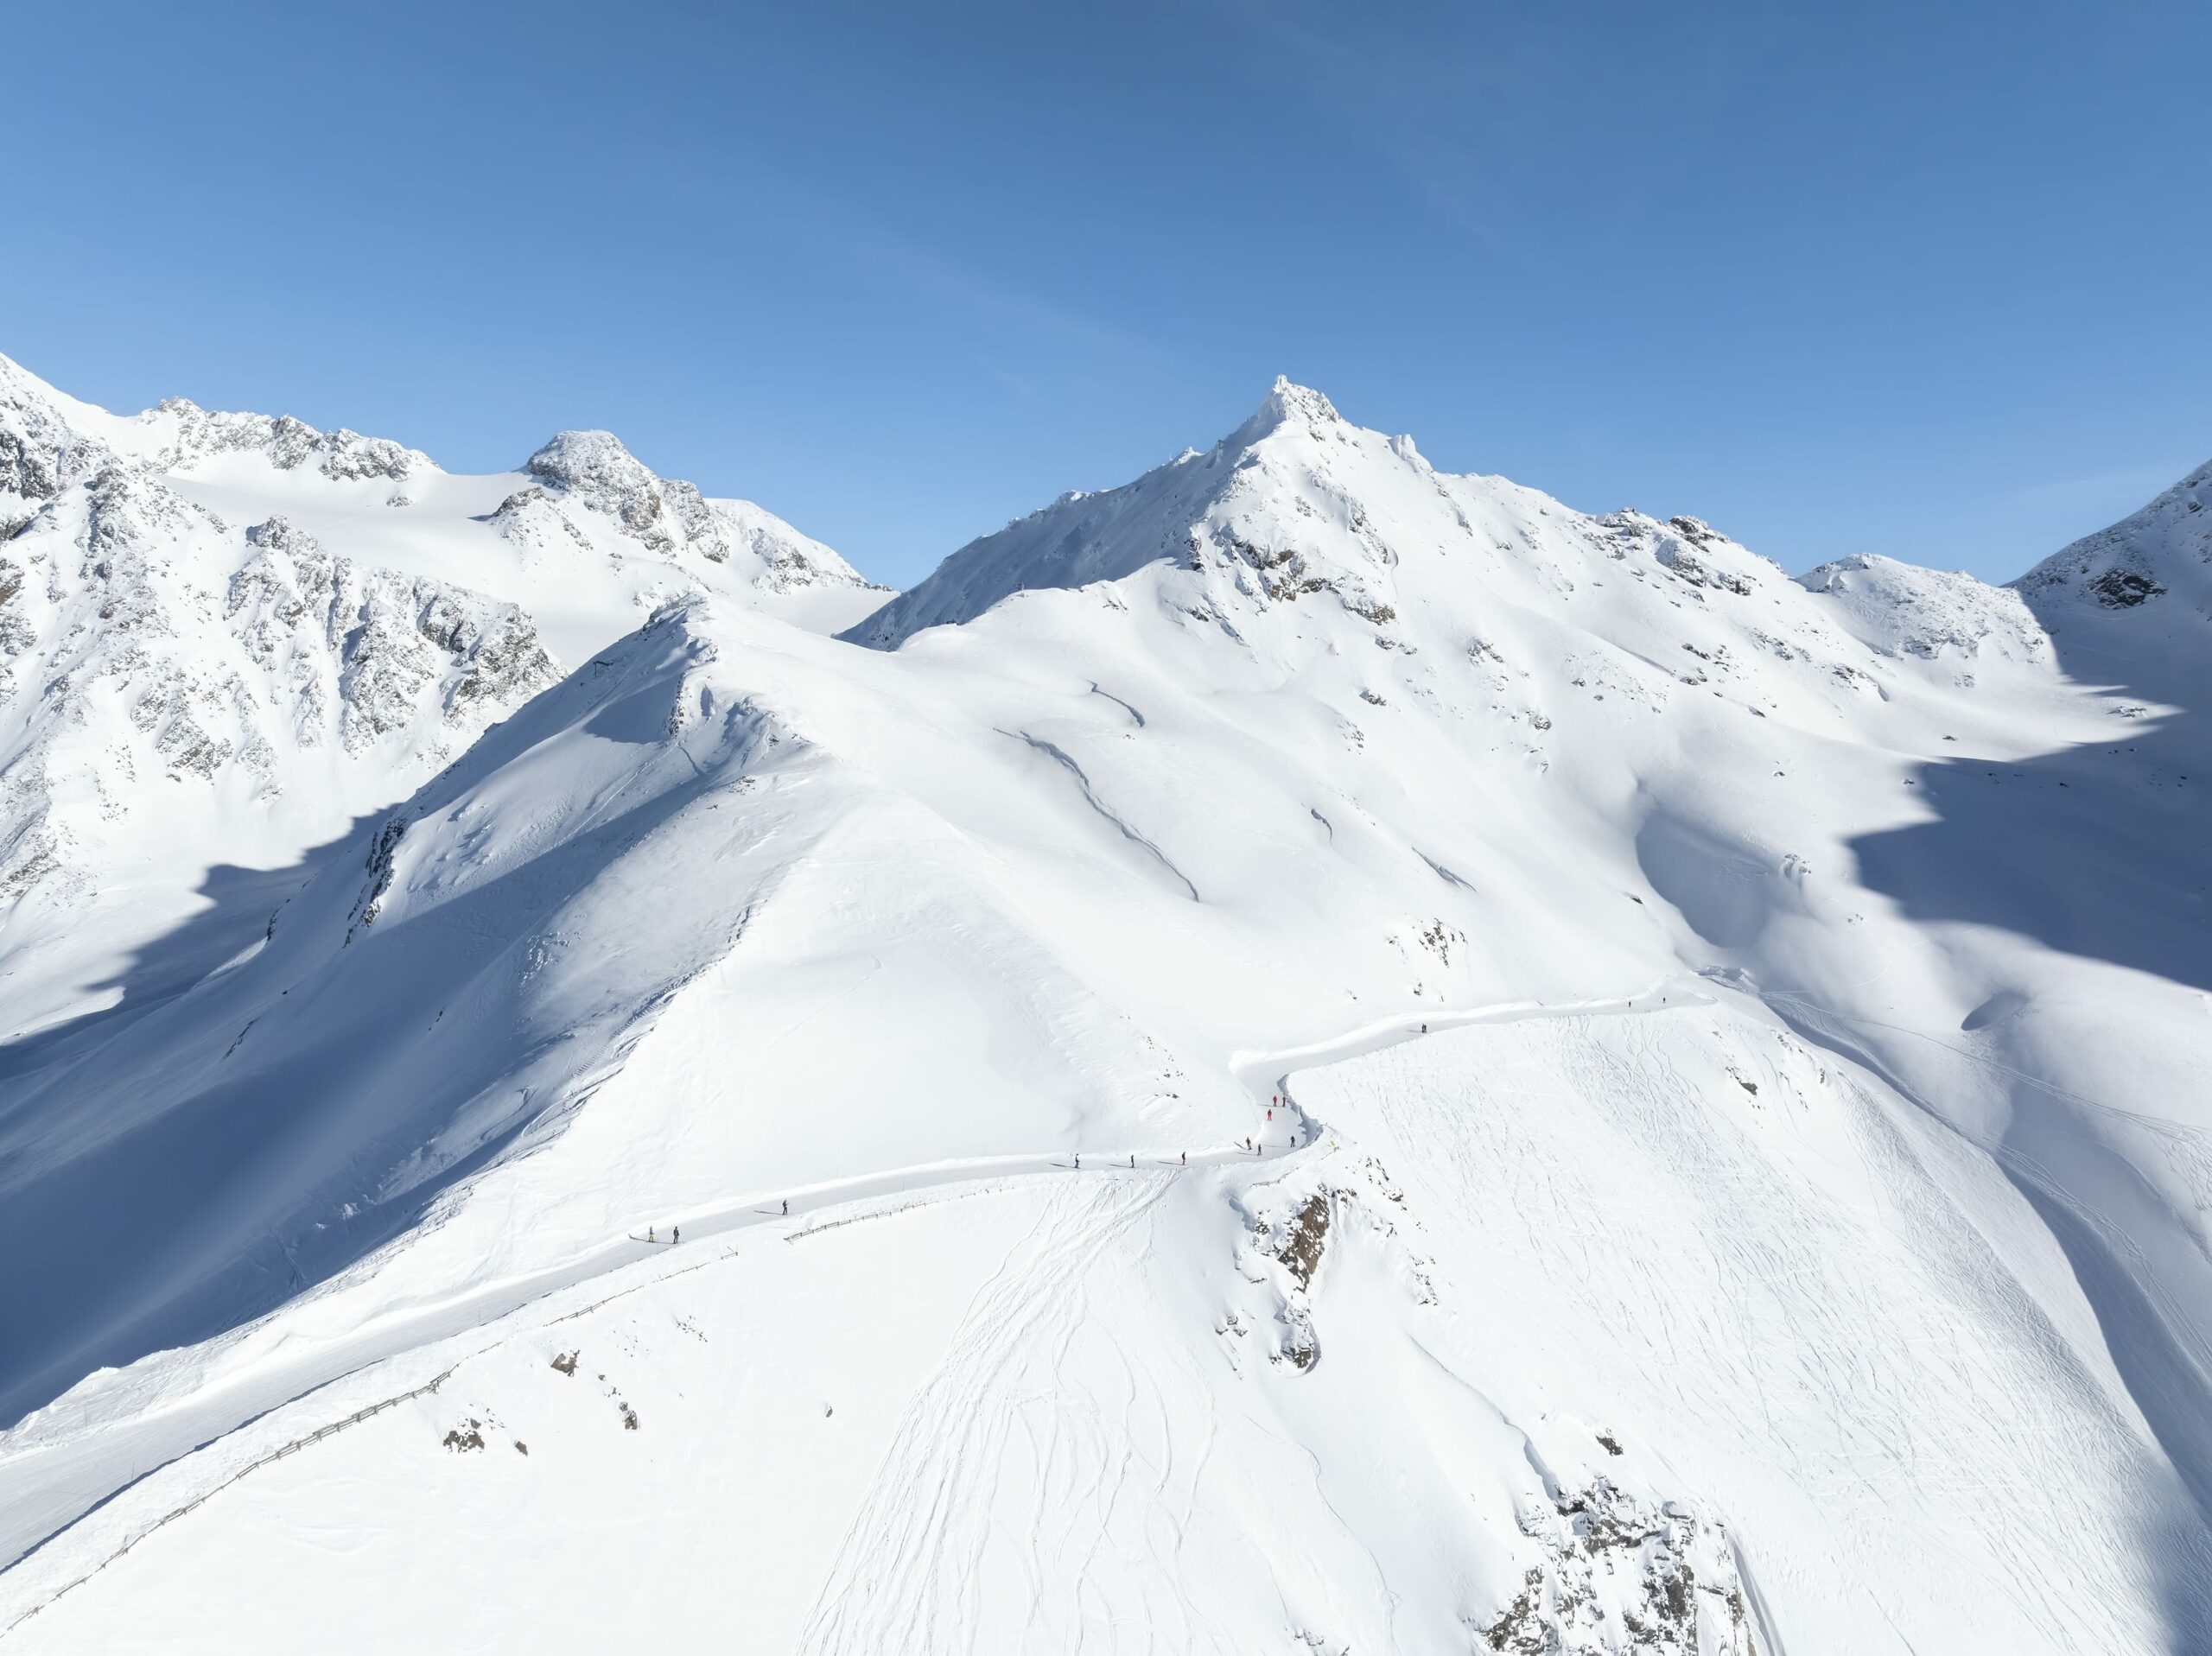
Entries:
{"x":1791,"y":1236}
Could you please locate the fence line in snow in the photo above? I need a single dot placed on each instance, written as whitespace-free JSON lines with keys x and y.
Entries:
{"x":275,"y":1455}
{"x":316,"y":1437}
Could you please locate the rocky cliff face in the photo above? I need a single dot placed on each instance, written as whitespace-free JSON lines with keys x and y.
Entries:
{"x":185,"y":434}
{"x":363,"y":654}
{"x":594,"y":469}
{"x":146,"y":644}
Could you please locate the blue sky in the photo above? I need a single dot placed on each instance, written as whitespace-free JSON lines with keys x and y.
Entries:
{"x":1931,"y":281}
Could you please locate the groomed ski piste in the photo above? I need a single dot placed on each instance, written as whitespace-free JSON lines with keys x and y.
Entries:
{"x":1737,"y":1184}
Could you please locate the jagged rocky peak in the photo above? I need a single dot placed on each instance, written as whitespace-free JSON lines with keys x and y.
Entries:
{"x":1287,"y":404}
{"x":48,"y":441}
{"x":183,"y":436}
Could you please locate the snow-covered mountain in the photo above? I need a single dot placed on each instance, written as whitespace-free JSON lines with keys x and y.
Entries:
{"x":224,"y":636}
{"x":1303,"y":1054}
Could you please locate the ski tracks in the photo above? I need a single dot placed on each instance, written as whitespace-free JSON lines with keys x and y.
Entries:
{"x":947,"y":1551}
{"x":1894,"y":1368}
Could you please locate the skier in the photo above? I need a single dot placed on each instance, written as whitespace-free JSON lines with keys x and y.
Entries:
{"x":649,"y":1234}
{"x":675,"y":1233}
{"x":1186,"y":1158}
{"x":1424,"y":1029}
{"x":787,"y":1207}
{"x":1078,"y":1161}
{"x":1133,"y":1161}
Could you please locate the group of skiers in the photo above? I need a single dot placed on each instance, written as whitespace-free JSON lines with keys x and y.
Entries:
{"x":1183,"y":1159}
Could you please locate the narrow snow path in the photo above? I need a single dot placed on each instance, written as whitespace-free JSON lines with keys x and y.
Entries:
{"x":1253,"y":1069}
{"x":52,"y":1487}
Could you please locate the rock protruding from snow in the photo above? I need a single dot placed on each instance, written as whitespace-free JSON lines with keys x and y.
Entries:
{"x":184,"y":435}
{"x":40,"y":453}
{"x":1692,"y":551}
{"x":153,"y":664}
{"x":594,"y":468}
{"x":2160,"y":552}
{"x":1624,"y":1574}
{"x":670,"y":517}
{"x":387,"y":653}
{"x":787,"y":559}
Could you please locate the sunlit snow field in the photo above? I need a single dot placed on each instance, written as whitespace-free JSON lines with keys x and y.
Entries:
{"x":1665,"y":1100}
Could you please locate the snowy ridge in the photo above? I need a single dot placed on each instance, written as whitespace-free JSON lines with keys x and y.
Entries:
{"x":256,"y":632}
{"x":1302,"y":1054}
{"x":669,"y":517}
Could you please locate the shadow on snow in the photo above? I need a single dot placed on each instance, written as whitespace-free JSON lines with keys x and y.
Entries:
{"x":156,"y":1191}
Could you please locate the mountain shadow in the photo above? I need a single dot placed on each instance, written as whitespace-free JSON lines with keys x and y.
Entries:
{"x":2102,"y":850}
{"x":242,"y":907}
{"x":138,"y":1217}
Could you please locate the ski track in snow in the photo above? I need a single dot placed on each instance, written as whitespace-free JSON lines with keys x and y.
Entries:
{"x":897,"y":1580}
{"x":1828,"y":1403}
{"x":1007,"y":1310}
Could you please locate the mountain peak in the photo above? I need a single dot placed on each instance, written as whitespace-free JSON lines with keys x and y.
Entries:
{"x":668,"y":514}
{"x":587,"y":460}
{"x":1250,"y":521}
{"x":1287,"y":402}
